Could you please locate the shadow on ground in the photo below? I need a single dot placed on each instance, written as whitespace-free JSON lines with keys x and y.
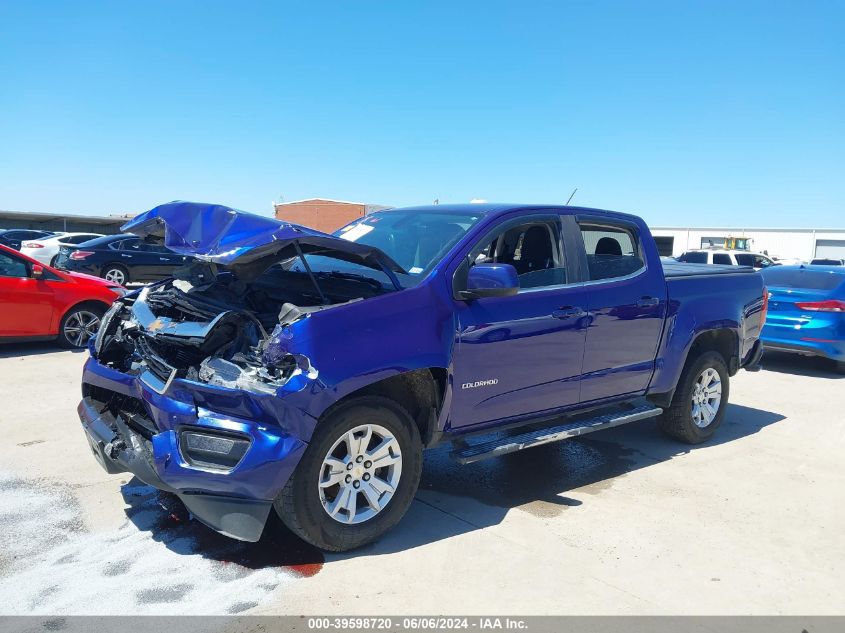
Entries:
{"x":798,"y":365}
{"x":13,"y":350}
{"x":169,"y":523}
{"x":535,"y":481}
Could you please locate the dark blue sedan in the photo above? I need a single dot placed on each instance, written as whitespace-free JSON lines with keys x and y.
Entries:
{"x":806,"y":311}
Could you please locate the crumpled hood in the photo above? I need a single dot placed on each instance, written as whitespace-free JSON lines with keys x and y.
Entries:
{"x":228,"y":237}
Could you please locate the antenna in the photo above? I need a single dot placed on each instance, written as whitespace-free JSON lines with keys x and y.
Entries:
{"x":572,"y":195}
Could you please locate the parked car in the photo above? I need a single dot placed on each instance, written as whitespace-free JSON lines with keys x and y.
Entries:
{"x":121,"y":259}
{"x":826,"y":261}
{"x":39,"y":302}
{"x":727,"y":258}
{"x":807,"y":311}
{"x":46,"y":249}
{"x":13,"y":237}
{"x":306,"y":372}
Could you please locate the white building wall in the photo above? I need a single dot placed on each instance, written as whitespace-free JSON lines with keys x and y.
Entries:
{"x":780,"y":243}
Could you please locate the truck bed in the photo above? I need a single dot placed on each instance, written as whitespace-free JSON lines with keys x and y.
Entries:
{"x":682,"y":269}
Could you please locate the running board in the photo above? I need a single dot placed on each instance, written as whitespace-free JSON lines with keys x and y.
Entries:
{"x":511,"y":444}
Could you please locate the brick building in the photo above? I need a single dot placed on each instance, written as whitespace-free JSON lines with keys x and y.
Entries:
{"x":323,"y":214}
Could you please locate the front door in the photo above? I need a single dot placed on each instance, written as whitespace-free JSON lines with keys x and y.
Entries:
{"x":26,"y":304}
{"x":521,"y":354}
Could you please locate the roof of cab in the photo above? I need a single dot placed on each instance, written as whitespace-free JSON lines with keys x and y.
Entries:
{"x":501,"y":208}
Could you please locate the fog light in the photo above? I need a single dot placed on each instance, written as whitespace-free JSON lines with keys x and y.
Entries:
{"x":211,"y":450}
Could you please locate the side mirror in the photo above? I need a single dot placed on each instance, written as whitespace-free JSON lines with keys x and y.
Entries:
{"x":37,"y":271}
{"x":491,"y":280}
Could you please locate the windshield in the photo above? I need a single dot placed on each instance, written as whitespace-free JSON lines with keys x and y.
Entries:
{"x":414,"y":240}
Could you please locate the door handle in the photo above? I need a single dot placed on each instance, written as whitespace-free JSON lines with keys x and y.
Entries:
{"x":163,"y":259}
{"x":647,"y":302}
{"x":568,"y":312}
{"x":125,"y":255}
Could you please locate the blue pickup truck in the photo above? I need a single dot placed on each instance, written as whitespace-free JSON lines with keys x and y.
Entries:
{"x":293,"y":370}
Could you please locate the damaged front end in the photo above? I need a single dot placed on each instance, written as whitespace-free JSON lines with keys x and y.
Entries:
{"x":190,"y":380}
{"x":167,"y":332}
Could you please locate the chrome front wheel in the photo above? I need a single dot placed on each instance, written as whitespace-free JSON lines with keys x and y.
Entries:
{"x":360,"y":474}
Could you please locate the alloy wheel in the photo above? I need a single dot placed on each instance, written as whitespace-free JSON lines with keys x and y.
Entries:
{"x":360,"y":474}
{"x":80,"y":327}
{"x":706,"y":397}
{"x":116,"y":275}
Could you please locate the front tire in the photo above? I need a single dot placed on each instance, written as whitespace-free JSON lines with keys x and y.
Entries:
{"x":80,"y":325}
{"x":700,"y":401}
{"x":357,"y":477}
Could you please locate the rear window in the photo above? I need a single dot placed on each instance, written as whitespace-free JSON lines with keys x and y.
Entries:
{"x":693,"y":257}
{"x":612,"y":251}
{"x":802,"y":278}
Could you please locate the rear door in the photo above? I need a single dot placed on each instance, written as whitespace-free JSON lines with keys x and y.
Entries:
{"x":627,"y":305}
{"x":152,"y":261}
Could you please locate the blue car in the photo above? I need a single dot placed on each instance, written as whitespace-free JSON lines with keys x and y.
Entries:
{"x":806,"y":311}
{"x":292,"y":371}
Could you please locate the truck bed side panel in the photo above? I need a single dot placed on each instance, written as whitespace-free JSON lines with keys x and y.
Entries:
{"x":700,"y":303}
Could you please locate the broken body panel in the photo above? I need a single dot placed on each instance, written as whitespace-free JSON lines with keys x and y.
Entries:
{"x":232,"y":348}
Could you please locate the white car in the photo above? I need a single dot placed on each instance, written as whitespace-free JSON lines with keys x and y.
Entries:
{"x":46,"y":249}
{"x":727,"y":258}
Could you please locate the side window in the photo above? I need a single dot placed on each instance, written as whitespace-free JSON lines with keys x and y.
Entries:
{"x":722,"y":259}
{"x":745,"y":259}
{"x":694,"y":257}
{"x":128,"y":245}
{"x":532,"y":248}
{"x":12,"y":266}
{"x":612,"y":250}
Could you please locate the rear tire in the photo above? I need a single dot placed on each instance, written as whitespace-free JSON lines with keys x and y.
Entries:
{"x":80,"y":325}
{"x":116,"y":273}
{"x":695,"y":413}
{"x":305,"y":503}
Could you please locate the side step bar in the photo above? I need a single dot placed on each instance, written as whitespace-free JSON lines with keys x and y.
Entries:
{"x":513,"y":443}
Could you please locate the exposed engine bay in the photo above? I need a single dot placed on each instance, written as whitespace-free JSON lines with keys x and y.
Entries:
{"x":208,"y":325}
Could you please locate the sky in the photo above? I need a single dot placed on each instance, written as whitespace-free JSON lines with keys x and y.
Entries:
{"x":687,"y":113}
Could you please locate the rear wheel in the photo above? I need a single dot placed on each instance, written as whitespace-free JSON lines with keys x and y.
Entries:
{"x":80,"y":325}
{"x":357,"y":477}
{"x":53,"y":261}
{"x":117,"y":274}
{"x":700,"y":401}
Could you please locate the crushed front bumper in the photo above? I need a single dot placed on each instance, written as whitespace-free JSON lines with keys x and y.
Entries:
{"x":233,"y":500}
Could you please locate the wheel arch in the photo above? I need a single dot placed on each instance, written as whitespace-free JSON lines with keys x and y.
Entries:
{"x":725,"y":341}
{"x":420,"y":392}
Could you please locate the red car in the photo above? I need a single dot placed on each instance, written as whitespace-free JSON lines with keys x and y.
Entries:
{"x":39,"y":302}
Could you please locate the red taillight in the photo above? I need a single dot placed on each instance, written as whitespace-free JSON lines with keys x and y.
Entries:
{"x":77,"y":255}
{"x":33,"y":245}
{"x":829,"y":305}
{"x":765,"y":309}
